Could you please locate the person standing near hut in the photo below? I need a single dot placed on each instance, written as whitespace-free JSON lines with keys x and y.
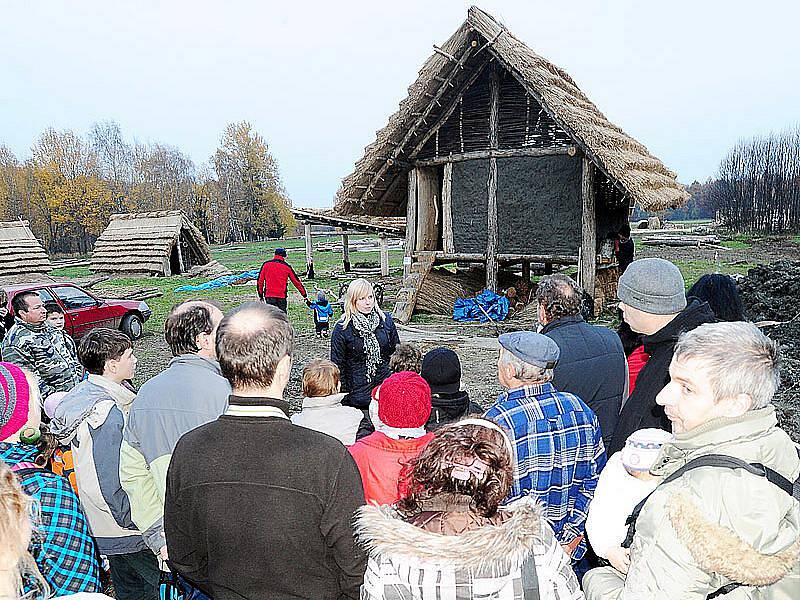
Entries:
{"x":272,"y":280}
{"x":362,"y":342}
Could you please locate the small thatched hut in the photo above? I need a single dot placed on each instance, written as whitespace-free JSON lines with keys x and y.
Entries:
{"x":20,"y":252}
{"x":154,"y":243}
{"x":497,"y":157}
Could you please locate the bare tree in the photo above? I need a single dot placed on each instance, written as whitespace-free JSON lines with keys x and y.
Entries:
{"x":758,"y":184}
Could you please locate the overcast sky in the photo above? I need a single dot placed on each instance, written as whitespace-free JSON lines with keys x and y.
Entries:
{"x":687,"y":78}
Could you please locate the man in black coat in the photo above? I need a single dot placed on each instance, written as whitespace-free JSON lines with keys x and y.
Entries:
{"x":257,"y":507}
{"x":592,"y":364}
{"x":653,"y":302}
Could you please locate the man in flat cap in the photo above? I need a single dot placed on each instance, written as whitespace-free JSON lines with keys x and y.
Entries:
{"x":653,"y":302}
{"x":558,"y":446}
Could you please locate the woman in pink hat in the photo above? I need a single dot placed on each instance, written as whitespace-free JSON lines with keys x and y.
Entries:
{"x":63,"y":548}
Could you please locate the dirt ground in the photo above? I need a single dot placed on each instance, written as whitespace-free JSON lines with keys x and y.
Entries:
{"x":477,"y":344}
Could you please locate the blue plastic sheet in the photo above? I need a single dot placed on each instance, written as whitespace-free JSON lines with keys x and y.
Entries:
{"x":219,"y":282}
{"x":469,"y":309}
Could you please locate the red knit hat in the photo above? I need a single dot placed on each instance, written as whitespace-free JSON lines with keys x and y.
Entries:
{"x":14,"y":399}
{"x":405,"y":400}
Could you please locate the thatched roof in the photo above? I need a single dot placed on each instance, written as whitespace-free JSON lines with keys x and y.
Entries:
{"x":626,"y":162}
{"x":20,"y":251}
{"x":389,"y":225}
{"x":141,"y":243}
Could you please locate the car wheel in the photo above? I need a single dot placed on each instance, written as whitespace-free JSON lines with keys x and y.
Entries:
{"x":132,"y":326}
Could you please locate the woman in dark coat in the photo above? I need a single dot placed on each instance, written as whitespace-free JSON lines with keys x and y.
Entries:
{"x":361,"y":344}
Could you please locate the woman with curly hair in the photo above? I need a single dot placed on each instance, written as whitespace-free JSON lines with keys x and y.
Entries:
{"x":448,"y":537}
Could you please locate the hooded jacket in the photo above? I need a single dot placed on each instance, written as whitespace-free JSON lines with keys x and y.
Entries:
{"x":347,"y":353}
{"x":640,"y":410}
{"x":90,"y":419}
{"x":453,"y":554}
{"x":591,"y":365}
{"x":449,"y":408}
{"x":712,"y":526}
{"x":190,"y":392}
{"x":380,"y":460}
{"x":43,"y":350}
{"x":327,"y":415}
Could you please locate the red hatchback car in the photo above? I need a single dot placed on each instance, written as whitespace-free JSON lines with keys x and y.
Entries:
{"x":83,"y":311}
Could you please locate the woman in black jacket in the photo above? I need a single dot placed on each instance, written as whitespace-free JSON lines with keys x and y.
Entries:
{"x":361,"y":344}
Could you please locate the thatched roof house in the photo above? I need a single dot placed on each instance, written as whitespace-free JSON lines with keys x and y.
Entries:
{"x":153,"y":243}
{"x":496,"y":156}
{"x":20,"y":252}
{"x":378,"y":185}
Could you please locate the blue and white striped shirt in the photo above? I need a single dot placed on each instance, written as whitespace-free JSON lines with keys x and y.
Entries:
{"x":559,"y":454}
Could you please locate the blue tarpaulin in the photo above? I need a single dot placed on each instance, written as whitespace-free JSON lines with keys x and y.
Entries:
{"x":468,"y":309}
{"x":220,"y":282}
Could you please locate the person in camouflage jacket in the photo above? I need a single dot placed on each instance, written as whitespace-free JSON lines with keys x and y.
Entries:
{"x":33,"y":344}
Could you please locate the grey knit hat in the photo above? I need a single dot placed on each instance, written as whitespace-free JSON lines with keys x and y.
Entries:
{"x":653,"y":285}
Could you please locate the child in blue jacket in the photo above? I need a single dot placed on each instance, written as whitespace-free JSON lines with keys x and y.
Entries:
{"x":323,"y":312}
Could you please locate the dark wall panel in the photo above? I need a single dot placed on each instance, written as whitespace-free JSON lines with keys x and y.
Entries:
{"x":469,"y":205}
{"x":539,"y":204}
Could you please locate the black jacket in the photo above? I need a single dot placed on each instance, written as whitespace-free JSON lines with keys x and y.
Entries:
{"x":347,"y":352}
{"x":449,"y":408}
{"x":640,"y":410}
{"x":591,"y":366}
{"x":257,"y":507}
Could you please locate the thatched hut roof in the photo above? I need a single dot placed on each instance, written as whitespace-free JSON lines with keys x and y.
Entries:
{"x":624,"y":161}
{"x":20,"y":252}
{"x":395,"y":226}
{"x":142,"y":243}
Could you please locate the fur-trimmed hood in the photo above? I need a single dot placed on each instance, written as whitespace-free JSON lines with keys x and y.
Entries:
{"x":382,"y":531}
{"x":719,"y":550}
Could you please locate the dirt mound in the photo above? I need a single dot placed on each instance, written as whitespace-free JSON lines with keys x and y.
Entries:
{"x":772,"y":292}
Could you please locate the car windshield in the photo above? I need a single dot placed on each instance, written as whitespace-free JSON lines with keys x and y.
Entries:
{"x":74,"y":298}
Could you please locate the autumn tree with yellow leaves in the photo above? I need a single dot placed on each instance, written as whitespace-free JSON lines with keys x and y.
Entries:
{"x":70,"y":186}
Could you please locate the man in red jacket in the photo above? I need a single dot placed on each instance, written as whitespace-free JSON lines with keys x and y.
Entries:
{"x":272,"y":280}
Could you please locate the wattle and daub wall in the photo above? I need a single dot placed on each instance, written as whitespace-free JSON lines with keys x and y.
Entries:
{"x":538,"y":198}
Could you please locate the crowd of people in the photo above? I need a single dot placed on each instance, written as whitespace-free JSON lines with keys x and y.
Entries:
{"x":644,"y":463}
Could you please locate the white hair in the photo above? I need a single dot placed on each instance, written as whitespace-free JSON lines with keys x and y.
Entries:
{"x":738,"y":357}
{"x":526,"y":371}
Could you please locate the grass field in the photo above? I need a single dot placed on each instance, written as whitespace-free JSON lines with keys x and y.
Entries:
{"x":239,"y":258}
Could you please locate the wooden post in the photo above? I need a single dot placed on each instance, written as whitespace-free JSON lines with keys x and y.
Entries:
{"x":588,"y":261}
{"x":309,"y":253}
{"x":526,"y":270}
{"x":448,"y":244}
{"x":491,"y":184}
{"x":384,"y":254}
{"x":346,"y":252}
{"x":411,"y":223}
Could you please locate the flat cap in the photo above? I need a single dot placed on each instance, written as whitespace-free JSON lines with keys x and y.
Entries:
{"x":533,"y":348}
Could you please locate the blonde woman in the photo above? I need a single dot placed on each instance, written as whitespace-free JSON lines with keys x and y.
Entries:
{"x":361,"y":344}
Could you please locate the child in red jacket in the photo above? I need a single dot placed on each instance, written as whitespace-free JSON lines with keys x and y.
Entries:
{"x":404,"y":405}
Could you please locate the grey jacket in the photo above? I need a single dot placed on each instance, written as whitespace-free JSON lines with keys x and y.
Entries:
{"x":713,"y":526}
{"x":190,"y":392}
{"x":90,"y":419}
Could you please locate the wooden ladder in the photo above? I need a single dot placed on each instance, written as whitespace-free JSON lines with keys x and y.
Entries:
{"x":407,"y":296}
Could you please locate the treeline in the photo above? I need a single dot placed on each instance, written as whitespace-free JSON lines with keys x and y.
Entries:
{"x":757,"y":187}
{"x":70,"y":185}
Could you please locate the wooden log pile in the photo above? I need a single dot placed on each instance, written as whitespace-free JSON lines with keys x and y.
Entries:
{"x":682,"y":240}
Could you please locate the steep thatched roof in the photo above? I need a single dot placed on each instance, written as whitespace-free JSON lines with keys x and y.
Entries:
{"x":141,"y":243}
{"x":20,"y":251}
{"x":381,"y":172}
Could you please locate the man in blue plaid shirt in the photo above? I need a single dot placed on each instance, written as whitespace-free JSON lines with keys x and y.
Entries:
{"x":558,"y":446}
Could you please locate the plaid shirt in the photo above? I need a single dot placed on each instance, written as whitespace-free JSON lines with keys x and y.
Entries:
{"x":62,"y":544}
{"x":559,"y":454}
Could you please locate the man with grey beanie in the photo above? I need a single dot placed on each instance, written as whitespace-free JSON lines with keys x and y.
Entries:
{"x":653,"y":302}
